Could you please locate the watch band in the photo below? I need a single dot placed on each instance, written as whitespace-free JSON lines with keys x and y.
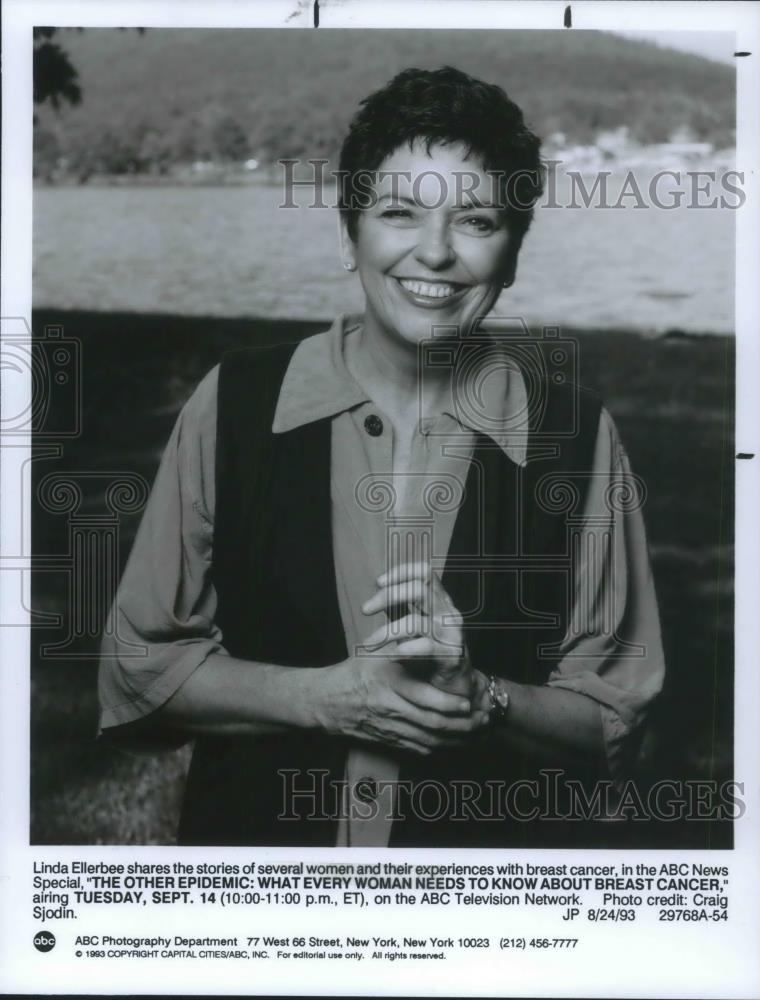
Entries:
{"x":498,"y":697}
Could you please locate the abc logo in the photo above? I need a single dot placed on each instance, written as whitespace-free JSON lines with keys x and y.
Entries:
{"x":44,"y":941}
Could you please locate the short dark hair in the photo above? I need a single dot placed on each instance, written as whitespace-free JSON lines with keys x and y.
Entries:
{"x":444,"y":106}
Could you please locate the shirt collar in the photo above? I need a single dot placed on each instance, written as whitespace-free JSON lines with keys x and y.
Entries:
{"x":490,"y":398}
{"x":317,"y":383}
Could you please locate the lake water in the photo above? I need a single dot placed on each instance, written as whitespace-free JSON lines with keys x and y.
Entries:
{"x":231,"y":251}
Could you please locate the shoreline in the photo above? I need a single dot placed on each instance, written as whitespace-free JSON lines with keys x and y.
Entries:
{"x":43,"y":314}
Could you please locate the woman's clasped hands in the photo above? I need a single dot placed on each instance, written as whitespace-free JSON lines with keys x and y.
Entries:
{"x":410,"y":685}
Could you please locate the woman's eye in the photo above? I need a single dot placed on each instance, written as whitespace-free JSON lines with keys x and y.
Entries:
{"x":396,"y":213}
{"x":479,"y":223}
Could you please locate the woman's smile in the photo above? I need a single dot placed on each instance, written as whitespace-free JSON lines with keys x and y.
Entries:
{"x":428,"y":294}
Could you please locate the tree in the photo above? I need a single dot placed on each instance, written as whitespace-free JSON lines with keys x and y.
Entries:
{"x":47,"y":153}
{"x":55,"y":78}
{"x":230,"y":140}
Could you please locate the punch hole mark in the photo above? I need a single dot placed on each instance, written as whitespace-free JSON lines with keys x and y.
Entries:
{"x":746,"y":454}
{"x":568,"y":22}
{"x":739,"y":55}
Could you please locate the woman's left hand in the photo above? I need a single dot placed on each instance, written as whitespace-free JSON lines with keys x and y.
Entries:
{"x":430,"y":634}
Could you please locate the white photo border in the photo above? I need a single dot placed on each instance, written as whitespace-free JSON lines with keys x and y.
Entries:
{"x":684,"y":961}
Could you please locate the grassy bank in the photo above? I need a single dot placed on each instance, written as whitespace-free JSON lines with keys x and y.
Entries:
{"x":673,"y":402}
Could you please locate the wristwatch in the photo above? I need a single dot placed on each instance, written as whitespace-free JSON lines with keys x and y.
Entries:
{"x":498,"y":697}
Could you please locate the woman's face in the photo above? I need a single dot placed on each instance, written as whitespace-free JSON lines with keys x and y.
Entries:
{"x":433,"y":249}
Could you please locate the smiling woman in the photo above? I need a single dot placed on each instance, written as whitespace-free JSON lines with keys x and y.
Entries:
{"x":425,"y":246}
{"x":440,"y":179}
{"x":356,"y":580}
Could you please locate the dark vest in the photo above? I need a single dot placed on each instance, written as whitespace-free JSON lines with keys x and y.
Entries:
{"x":507,"y":571}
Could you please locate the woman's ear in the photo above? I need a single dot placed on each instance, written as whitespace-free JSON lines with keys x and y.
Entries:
{"x":347,"y":255}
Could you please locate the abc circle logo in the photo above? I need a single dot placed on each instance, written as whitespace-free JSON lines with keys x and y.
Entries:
{"x":44,"y":941}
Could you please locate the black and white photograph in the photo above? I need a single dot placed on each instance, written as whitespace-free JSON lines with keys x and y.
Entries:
{"x":528,"y":272}
{"x":382,"y":473}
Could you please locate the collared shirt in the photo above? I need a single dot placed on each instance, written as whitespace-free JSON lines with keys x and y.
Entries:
{"x":383,"y":512}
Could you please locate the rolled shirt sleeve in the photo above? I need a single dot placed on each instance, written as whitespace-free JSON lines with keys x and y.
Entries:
{"x":612,"y":651}
{"x":161,"y":626}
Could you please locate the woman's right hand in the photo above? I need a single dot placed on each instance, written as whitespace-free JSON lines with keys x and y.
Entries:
{"x":375,"y":699}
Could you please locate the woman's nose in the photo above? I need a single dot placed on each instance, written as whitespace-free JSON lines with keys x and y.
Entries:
{"x":434,"y":248}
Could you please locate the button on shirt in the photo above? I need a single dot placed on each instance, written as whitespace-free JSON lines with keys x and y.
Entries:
{"x":373,"y":425}
{"x":166,"y":602}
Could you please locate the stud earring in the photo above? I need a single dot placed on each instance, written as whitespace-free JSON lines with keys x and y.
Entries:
{"x":349,"y":266}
